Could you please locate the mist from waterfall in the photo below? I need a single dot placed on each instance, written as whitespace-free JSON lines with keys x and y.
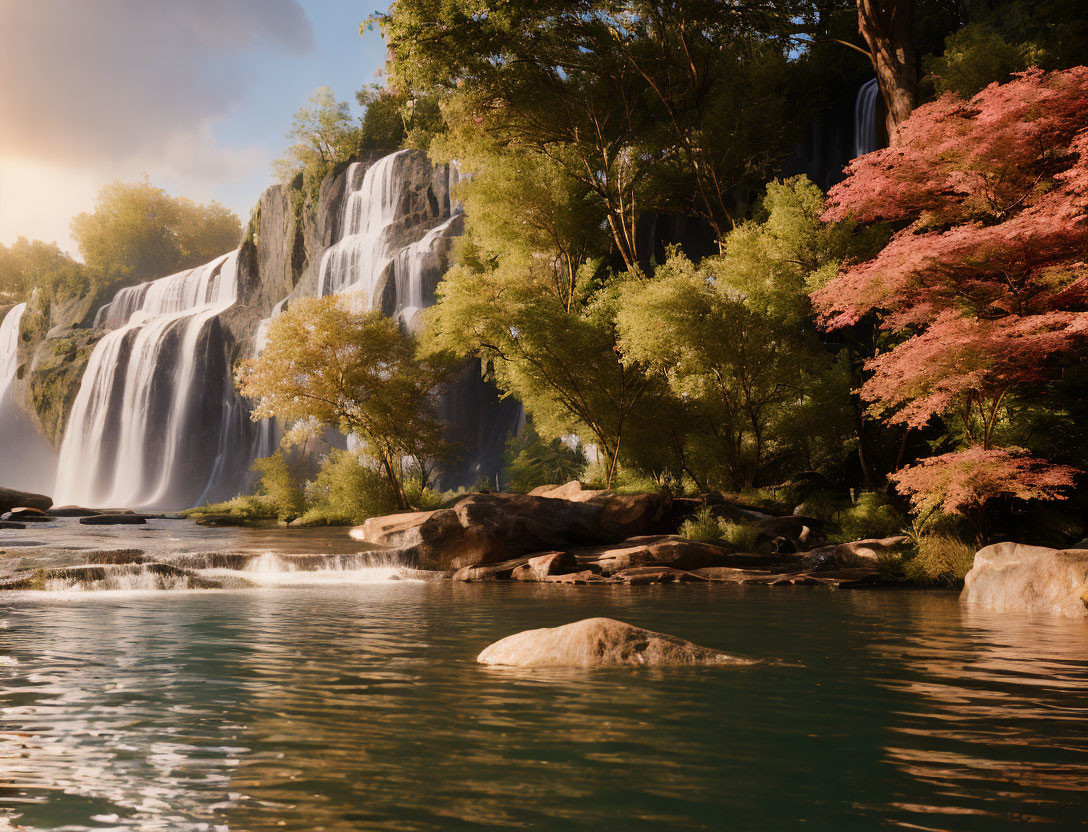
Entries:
{"x":866,"y":111}
{"x":149,"y":424}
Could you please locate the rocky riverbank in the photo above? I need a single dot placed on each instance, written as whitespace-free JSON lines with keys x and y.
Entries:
{"x":555,"y":535}
{"x":573,"y":535}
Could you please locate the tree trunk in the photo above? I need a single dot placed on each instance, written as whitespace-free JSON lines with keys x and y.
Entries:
{"x":888,"y":29}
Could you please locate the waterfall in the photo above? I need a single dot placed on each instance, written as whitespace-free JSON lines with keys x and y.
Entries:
{"x":9,"y":348}
{"x":27,"y":460}
{"x":866,"y":110}
{"x":147,"y":427}
{"x":369,"y":254}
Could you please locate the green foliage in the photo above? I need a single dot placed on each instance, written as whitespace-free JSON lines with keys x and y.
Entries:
{"x":322,"y":134}
{"x":280,"y":486}
{"x":326,"y":366}
{"x":746,"y":403}
{"x":667,"y":107}
{"x":940,"y":559}
{"x":974,"y":57}
{"x":137,"y":231}
{"x":424,"y":498}
{"x":870,"y":514}
{"x":252,"y":508}
{"x":347,"y":490}
{"x":27,"y":265}
{"x":531,"y":461}
{"x":559,"y":360}
{"x":707,"y":526}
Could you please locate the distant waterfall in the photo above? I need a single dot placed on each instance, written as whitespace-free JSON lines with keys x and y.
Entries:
{"x":368,"y":254}
{"x":27,"y":460}
{"x":147,"y":427}
{"x":9,"y":348}
{"x":866,"y":129}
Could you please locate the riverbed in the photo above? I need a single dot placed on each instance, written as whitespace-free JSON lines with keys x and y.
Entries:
{"x":354,"y":703}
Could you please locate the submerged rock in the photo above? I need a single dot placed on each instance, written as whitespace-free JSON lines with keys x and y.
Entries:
{"x":73,"y":511}
{"x":8,"y":524}
{"x":1012,"y":577}
{"x":113,"y":520}
{"x":600,"y":642}
{"x":25,"y":514}
{"x":110,"y":576}
{"x":10,"y":498}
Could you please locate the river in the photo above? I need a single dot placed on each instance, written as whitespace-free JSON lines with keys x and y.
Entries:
{"x":352,"y":701}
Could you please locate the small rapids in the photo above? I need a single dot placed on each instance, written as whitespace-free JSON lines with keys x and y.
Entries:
{"x":130,"y":571}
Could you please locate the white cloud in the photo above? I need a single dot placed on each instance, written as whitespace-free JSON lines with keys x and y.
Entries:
{"x":81,"y":81}
{"x":112,"y":89}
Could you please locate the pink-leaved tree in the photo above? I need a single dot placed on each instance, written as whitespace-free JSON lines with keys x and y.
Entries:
{"x":983,"y":289}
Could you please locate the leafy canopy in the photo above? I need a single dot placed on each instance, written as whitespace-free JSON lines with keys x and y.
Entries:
{"x":138,"y":231}
{"x":325,"y":366}
{"x":983,"y":286}
{"x":27,"y":265}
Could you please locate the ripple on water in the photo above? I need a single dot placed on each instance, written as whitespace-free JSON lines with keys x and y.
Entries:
{"x":345,"y":707}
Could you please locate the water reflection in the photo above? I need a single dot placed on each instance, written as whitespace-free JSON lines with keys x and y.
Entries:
{"x":335,"y":707}
{"x":993,"y":711}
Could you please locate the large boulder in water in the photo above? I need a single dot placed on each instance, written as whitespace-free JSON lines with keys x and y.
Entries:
{"x":1012,"y":577}
{"x":492,"y":528}
{"x":600,"y":642}
{"x":10,"y":499}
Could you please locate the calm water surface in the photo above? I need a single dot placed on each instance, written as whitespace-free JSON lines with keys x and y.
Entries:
{"x":357,"y":705}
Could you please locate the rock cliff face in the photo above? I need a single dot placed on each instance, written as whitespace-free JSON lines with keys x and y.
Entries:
{"x":390,"y":221}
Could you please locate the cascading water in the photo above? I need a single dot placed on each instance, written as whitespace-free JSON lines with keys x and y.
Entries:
{"x":9,"y":348}
{"x":26,"y":459}
{"x":368,"y":249}
{"x":147,"y":425}
{"x":866,"y":128}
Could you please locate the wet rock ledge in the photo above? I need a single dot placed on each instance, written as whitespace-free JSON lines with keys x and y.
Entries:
{"x":572,"y":535}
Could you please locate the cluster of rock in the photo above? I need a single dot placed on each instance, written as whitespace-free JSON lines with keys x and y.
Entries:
{"x":17,"y":508}
{"x":569,"y":534}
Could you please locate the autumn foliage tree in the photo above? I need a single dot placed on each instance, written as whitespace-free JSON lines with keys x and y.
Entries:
{"x":984,"y":287}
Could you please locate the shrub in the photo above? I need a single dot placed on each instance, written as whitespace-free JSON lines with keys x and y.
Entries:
{"x":706,"y":526}
{"x":279,"y":485}
{"x":532,"y":461}
{"x":940,"y":559}
{"x":703,"y":526}
{"x":428,"y":499}
{"x":247,"y":508}
{"x":871,"y":516}
{"x":347,"y":491}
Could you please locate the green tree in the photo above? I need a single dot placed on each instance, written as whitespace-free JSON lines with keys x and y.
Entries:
{"x":322,"y":134}
{"x":27,"y":265}
{"x":618,"y":94}
{"x":138,"y":231}
{"x":756,"y":393}
{"x":325,"y":366}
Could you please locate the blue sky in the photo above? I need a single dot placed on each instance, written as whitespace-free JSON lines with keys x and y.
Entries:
{"x":196,"y":94}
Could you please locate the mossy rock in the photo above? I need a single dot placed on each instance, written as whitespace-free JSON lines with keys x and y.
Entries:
{"x":54,"y":377}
